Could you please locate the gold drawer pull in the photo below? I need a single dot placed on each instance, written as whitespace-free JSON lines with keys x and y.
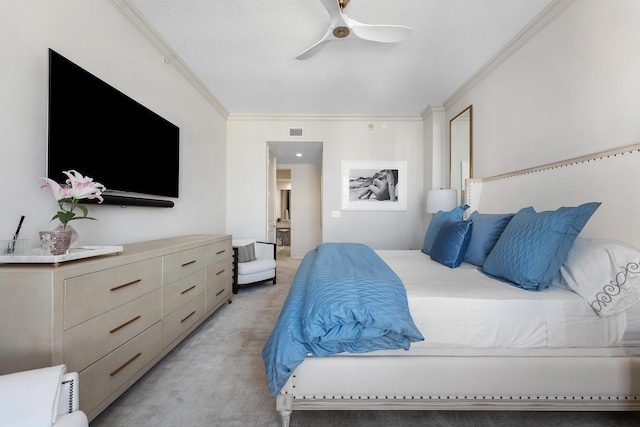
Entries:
{"x":220,"y":272}
{"x":221,"y":252}
{"x":124,"y":324}
{"x":126,"y":284}
{"x":192,"y":313}
{"x":124,"y":365}
{"x":188,"y":263}
{"x":219,"y":292}
{"x":187,"y":290}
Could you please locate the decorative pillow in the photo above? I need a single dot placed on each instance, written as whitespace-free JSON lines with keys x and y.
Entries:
{"x":606,"y":273}
{"x":438,"y":219}
{"x":487,"y":228}
{"x":247,"y":253}
{"x":534,"y":245}
{"x":451,"y":243}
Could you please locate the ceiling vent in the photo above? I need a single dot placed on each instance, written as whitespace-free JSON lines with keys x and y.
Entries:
{"x":295,"y":131}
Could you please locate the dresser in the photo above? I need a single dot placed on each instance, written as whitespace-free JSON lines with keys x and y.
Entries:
{"x":112,"y":317}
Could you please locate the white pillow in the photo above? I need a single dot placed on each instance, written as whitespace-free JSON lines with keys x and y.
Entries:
{"x":606,"y":273}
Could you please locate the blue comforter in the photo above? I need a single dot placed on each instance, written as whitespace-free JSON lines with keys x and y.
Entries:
{"x":344,"y":298}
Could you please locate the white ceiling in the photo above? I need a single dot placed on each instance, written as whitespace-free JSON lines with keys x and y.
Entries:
{"x":244,"y":51}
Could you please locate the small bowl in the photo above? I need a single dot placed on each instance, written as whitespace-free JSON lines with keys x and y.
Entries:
{"x":15,"y":247}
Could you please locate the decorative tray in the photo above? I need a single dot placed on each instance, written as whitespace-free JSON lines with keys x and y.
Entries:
{"x":35,"y":256}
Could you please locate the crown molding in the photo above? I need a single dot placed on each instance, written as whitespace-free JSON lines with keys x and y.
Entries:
{"x":318,"y":117}
{"x":544,"y":18}
{"x":431,"y":109}
{"x":168,"y":54}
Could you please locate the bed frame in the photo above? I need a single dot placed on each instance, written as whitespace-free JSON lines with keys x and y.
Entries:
{"x":356,"y":382}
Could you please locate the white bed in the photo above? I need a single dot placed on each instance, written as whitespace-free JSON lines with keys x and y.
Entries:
{"x":543,"y":350}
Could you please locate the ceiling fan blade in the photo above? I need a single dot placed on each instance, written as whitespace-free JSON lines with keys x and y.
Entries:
{"x":333,"y":7}
{"x":314,"y":49}
{"x":379,"y":33}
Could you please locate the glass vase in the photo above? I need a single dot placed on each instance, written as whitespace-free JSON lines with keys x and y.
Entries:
{"x":55,"y":241}
{"x":74,"y":234}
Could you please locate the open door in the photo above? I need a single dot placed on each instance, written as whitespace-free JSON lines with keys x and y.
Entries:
{"x":271,"y":196}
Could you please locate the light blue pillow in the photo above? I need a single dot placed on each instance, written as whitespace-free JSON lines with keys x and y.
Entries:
{"x":487,"y":228}
{"x":451,"y":243}
{"x":438,"y":219}
{"x":534,"y":245}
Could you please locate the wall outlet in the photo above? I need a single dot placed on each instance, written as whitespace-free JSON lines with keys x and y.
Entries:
{"x":335,"y":214}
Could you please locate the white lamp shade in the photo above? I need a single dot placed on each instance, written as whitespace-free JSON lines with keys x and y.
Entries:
{"x":441,"y":200}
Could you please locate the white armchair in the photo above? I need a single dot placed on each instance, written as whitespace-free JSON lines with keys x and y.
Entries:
{"x":253,"y":262}
{"x":41,"y":397}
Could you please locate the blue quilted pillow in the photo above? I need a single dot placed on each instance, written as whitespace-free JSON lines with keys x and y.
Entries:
{"x":487,"y":228}
{"x":451,"y":243}
{"x":438,"y":219}
{"x":534,"y":245}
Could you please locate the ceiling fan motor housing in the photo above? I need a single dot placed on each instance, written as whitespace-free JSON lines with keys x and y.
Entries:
{"x":341,"y":32}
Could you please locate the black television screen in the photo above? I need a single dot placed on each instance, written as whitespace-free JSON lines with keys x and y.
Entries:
{"x":102,"y":133}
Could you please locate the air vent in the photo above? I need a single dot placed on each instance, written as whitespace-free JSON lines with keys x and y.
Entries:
{"x":295,"y":131}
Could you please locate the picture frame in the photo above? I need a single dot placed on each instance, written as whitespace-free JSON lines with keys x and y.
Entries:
{"x":365,"y":185}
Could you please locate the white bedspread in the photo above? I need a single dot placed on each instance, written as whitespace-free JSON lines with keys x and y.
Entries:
{"x":463,"y":308}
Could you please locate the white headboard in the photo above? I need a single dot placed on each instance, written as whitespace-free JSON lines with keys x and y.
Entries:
{"x":611,"y":177}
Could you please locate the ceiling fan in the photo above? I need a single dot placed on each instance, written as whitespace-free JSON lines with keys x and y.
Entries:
{"x":342,"y":26}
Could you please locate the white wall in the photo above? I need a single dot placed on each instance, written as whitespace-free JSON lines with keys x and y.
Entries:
{"x":97,"y":37}
{"x":571,"y":90}
{"x":343,"y":138}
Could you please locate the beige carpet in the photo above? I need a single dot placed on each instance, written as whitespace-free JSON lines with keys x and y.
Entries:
{"x":216,"y":378}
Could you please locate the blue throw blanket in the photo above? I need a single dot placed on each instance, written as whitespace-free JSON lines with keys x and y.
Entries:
{"x":344,"y":298}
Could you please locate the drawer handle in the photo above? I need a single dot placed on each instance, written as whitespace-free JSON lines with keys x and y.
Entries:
{"x":126,"y":284}
{"x":219,"y":292}
{"x":191,"y":314}
{"x":220,"y":272}
{"x":187,"y":290}
{"x":188,"y":263}
{"x":124,"y":324}
{"x":125,"y":364}
{"x":221,"y":252}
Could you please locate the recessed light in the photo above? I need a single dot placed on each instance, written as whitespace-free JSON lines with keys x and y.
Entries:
{"x":298,"y":154}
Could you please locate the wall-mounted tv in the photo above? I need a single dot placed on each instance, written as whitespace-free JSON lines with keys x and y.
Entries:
{"x":103,"y":133}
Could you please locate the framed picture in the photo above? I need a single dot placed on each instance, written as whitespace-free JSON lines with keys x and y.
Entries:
{"x":374,"y":186}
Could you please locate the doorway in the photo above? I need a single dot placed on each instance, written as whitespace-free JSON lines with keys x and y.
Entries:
{"x":294,"y":195}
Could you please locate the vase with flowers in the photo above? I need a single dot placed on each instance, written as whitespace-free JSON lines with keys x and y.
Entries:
{"x":68,"y":196}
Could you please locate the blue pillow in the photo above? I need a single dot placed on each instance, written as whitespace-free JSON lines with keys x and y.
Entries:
{"x":438,"y":219}
{"x":487,"y":228}
{"x":451,"y":243}
{"x":534,"y":245}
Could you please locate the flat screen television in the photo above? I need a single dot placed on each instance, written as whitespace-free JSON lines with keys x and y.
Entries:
{"x":100,"y":132}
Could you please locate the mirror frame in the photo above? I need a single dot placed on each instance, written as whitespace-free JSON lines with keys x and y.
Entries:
{"x":453,"y":159}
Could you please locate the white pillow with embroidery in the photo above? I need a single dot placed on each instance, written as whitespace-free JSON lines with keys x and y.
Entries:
{"x":605,"y":272}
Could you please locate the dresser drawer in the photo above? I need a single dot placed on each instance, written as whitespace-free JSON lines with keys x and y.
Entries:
{"x":178,"y":293}
{"x":102,"y":378}
{"x":182,"y":264}
{"x":89,"y":341}
{"x":92,"y":294}
{"x":218,"y":283}
{"x":219,"y":251}
{"x":182,"y":319}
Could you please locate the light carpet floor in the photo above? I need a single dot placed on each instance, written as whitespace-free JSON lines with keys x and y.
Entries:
{"x":215,"y":377}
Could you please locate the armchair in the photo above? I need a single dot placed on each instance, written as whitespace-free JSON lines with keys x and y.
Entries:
{"x":253,"y":262}
{"x":41,"y":397}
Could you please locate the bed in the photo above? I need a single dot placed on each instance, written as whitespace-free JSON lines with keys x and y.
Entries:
{"x":486,"y":338}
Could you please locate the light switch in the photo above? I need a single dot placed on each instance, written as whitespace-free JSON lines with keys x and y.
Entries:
{"x":335,"y":214}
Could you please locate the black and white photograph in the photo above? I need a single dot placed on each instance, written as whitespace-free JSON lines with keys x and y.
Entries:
{"x":373,"y":185}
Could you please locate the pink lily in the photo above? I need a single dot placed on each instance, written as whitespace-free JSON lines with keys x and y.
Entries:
{"x":58,"y":192}
{"x":77,"y":187}
{"x":83,"y":187}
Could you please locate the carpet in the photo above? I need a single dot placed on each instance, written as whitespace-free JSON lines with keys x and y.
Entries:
{"x":215,"y":377}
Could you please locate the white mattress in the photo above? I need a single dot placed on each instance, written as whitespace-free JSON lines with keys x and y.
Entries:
{"x":463,"y":309}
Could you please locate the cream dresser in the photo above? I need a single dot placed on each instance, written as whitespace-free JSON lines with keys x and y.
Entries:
{"x":111,"y":318}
